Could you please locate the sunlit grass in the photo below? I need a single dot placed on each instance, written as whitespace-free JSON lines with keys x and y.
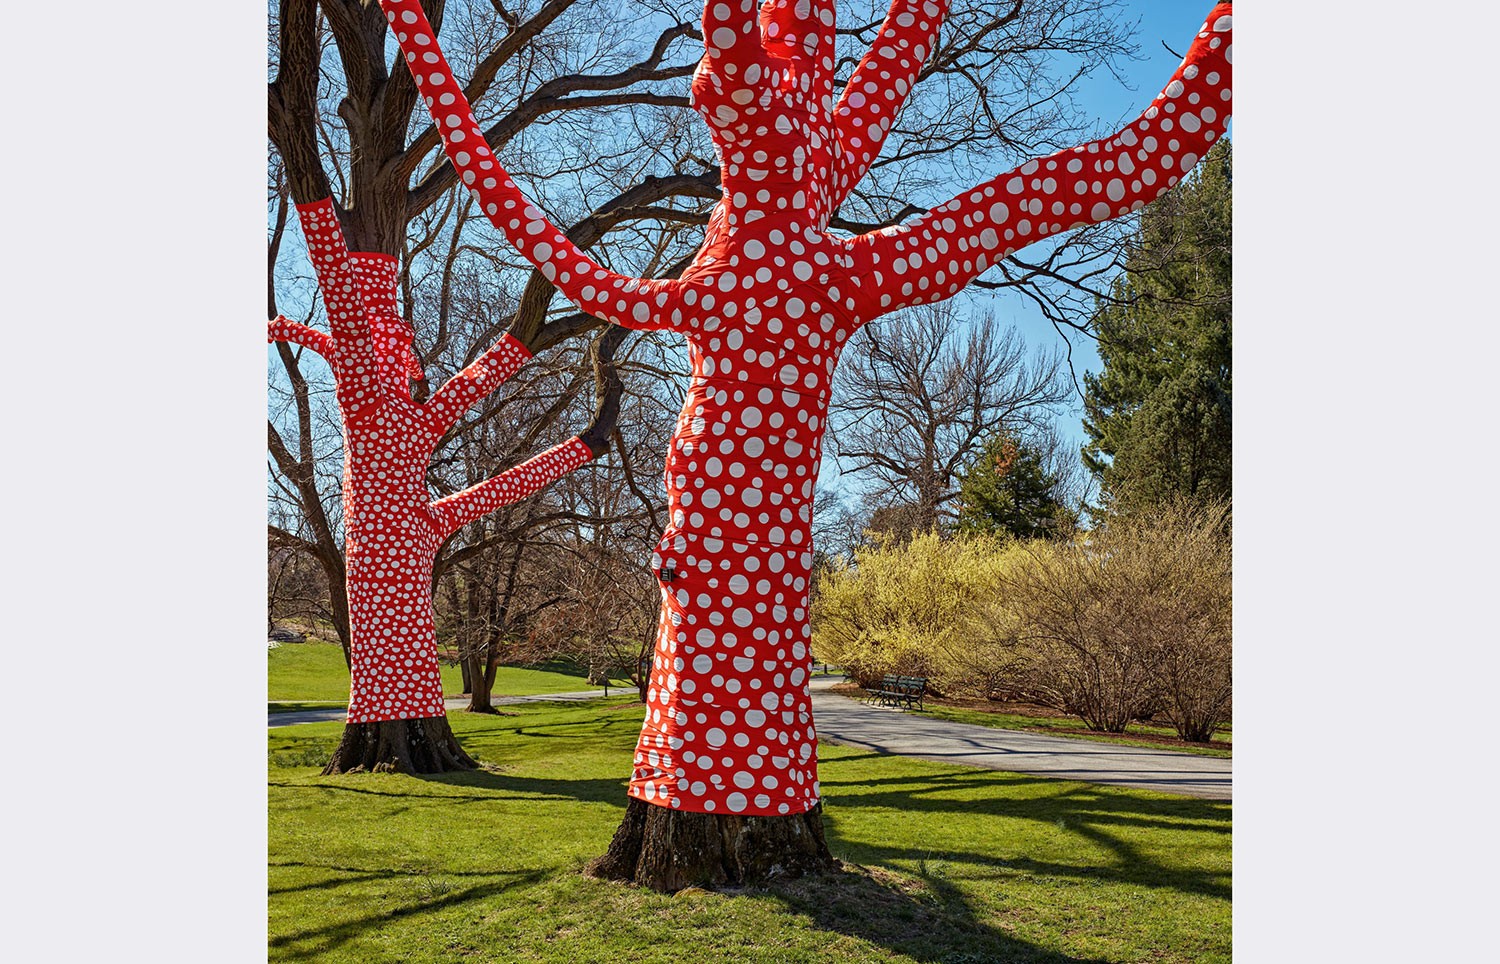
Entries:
{"x":950,"y":863}
{"x":314,"y":672}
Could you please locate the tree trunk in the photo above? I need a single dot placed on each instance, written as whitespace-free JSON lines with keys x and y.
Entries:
{"x":667,"y":850}
{"x":468,"y":674}
{"x":338,"y":599}
{"x":483,"y":676}
{"x":424,"y":745}
{"x":480,"y":699}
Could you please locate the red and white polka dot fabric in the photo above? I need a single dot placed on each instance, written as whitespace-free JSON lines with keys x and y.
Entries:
{"x":766,"y":306}
{"x":392,"y":527}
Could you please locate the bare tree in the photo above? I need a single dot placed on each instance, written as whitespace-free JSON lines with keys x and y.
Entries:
{"x":486,"y":602}
{"x":295,"y":588}
{"x":915,"y":400}
{"x":521,"y":583}
{"x":607,"y":623}
{"x":606,"y":618}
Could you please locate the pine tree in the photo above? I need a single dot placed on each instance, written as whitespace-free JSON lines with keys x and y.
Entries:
{"x":1158,"y":415}
{"x":1008,"y":489}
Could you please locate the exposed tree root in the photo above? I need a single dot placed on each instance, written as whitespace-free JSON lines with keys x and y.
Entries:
{"x":667,"y":850}
{"x":399,"y":746}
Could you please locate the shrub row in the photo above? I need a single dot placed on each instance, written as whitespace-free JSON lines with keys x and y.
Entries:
{"x":1125,"y":622}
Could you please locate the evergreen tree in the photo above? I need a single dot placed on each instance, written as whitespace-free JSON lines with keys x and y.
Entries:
{"x":1158,"y":414}
{"x":1008,"y":489}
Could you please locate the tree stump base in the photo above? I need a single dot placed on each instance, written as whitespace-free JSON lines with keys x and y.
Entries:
{"x":400,"y":746}
{"x":668,"y":850}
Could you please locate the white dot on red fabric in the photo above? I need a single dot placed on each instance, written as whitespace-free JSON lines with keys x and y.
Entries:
{"x":766,"y":307}
{"x":392,"y":527}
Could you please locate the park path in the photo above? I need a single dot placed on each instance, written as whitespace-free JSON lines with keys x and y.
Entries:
{"x":852,"y":723}
{"x":843,"y":720}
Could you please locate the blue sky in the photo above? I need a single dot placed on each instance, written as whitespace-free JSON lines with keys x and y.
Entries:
{"x":1101,"y":96}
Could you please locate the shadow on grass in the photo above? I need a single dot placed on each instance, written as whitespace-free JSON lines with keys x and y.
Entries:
{"x":302,"y":751}
{"x":925,"y":918}
{"x":353,"y":875}
{"x":588,"y":729}
{"x":494,"y":786}
{"x":923,"y":915}
{"x":1094,"y":814}
{"x":425,"y":895}
{"x":991,"y":793}
{"x":597,"y":790}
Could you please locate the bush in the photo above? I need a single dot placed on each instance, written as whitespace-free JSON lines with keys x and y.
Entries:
{"x":1131,"y":618}
{"x":926,"y":608}
{"x":1123,"y":622}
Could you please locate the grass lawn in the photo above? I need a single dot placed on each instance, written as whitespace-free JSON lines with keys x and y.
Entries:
{"x":1057,"y":725}
{"x":314,"y":673}
{"x":292,"y":706}
{"x":952,"y":864}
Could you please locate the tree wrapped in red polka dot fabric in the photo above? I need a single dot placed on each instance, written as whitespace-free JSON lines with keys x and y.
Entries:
{"x":393,"y":527}
{"x":725,"y":780}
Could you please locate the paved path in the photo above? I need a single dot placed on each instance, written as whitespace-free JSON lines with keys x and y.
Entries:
{"x":847,"y":721}
{"x":852,"y":723}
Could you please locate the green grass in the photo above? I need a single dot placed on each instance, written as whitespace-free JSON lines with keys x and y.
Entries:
{"x":293,"y":706}
{"x":1055,"y":724}
{"x":958,"y":864}
{"x":314,"y":672}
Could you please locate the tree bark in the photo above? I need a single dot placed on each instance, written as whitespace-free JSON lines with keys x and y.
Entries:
{"x":482,"y":671}
{"x":424,"y":745}
{"x":667,"y":850}
{"x":482,"y":691}
{"x":338,"y":598}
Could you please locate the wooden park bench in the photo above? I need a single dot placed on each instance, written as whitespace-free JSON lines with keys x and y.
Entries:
{"x":902,"y":692}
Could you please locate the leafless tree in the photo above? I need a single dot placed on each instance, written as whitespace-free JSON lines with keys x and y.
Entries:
{"x":606,"y":618}
{"x":487,"y":600}
{"x":608,"y":621}
{"x":517,"y":585}
{"x":916,"y":396}
{"x":295,"y":588}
